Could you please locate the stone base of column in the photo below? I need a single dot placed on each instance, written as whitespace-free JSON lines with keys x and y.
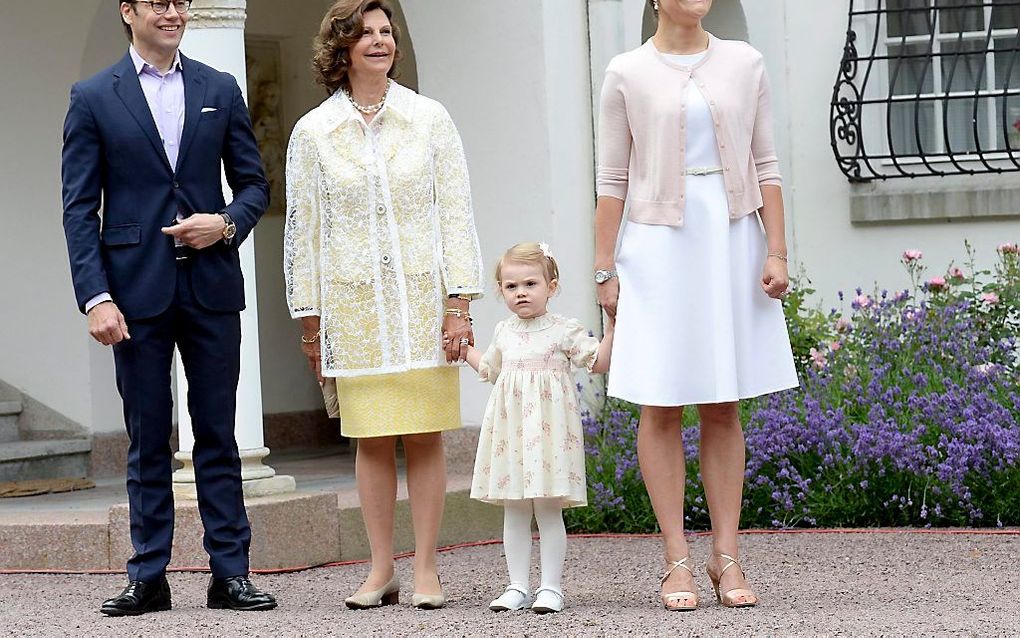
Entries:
{"x":257,"y":478}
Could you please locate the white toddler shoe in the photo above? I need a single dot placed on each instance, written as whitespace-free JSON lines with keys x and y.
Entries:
{"x":547,"y":601}
{"x":513,"y":598}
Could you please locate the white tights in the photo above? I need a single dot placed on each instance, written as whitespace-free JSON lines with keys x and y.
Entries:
{"x":517,"y":540}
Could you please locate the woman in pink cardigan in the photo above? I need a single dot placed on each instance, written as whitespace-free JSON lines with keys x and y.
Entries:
{"x":685,"y":143}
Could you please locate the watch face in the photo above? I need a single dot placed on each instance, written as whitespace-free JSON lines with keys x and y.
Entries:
{"x":600,"y":277}
{"x":230,"y":229}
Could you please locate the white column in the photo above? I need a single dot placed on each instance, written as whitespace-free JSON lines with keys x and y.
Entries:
{"x":614,"y":26}
{"x":606,"y":39}
{"x":570,"y":151}
{"x":215,"y":36}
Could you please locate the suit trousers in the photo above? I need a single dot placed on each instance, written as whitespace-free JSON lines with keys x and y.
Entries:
{"x":210,"y":348}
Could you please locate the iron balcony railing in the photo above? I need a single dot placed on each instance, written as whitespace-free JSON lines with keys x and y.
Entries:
{"x":928,"y":87}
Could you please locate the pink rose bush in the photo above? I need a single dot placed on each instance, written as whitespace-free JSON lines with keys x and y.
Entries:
{"x":861,"y":301}
{"x":937,"y":283}
{"x":910,"y":256}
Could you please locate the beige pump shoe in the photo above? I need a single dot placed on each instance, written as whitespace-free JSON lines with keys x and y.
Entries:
{"x":732,"y":597}
{"x":679,"y":596}
{"x":428,"y":601}
{"x":388,"y":595}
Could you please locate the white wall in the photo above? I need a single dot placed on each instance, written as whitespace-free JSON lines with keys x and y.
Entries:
{"x":287,"y":384}
{"x":514,"y":77}
{"x":803,"y":41}
{"x":44,"y":347}
{"x":521,"y":106}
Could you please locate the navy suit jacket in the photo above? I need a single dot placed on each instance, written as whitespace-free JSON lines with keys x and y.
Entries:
{"x":113,"y":159}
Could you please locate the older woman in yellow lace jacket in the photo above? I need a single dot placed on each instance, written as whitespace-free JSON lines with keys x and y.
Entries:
{"x":381,"y":258}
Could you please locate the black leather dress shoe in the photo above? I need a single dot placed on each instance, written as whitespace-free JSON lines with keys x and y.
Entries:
{"x":237,"y":593}
{"x":139,"y":598}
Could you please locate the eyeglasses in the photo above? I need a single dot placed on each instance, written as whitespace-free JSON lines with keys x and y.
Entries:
{"x":159,"y":7}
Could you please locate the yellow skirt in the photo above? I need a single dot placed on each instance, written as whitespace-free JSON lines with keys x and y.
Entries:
{"x":412,"y":402}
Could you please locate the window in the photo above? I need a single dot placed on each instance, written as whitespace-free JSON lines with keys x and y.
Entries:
{"x":928,"y":87}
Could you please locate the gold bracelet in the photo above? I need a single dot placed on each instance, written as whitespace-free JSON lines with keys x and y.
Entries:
{"x":779,"y":256}
{"x":315,"y":338}
{"x":458,"y":313}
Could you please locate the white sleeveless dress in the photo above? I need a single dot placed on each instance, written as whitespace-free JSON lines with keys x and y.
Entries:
{"x":693,"y":324}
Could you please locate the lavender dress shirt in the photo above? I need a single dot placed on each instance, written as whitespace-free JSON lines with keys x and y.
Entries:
{"x":164,"y":93}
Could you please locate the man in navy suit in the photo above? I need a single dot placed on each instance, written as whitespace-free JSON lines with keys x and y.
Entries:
{"x":145,"y":140}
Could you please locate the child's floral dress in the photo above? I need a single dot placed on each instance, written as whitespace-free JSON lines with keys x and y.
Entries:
{"x":531,"y":443}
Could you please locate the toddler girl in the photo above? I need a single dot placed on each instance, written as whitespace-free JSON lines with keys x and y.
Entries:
{"x":531,"y":450}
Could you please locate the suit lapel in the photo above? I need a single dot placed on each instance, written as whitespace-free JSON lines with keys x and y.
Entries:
{"x":129,"y":89}
{"x":194,"y":97}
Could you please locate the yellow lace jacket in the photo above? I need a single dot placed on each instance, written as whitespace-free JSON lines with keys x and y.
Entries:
{"x":379,"y":230}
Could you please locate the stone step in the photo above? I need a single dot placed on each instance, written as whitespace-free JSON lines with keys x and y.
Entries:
{"x":57,"y":458}
{"x":10,"y":409}
{"x":294,"y":530}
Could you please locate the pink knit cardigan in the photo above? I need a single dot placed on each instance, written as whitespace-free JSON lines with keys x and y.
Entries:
{"x":642,"y":125}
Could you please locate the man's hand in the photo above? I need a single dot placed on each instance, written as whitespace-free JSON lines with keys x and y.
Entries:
{"x":107,"y":325}
{"x":199,"y":231}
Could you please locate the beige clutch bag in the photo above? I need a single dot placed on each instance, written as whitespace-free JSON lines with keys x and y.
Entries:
{"x":331,"y":398}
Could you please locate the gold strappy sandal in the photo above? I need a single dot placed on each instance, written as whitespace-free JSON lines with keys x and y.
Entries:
{"x":731,"y":598}
{"x":678,"y":596}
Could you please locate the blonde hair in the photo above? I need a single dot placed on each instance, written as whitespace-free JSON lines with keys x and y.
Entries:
{"x":529,"y":252}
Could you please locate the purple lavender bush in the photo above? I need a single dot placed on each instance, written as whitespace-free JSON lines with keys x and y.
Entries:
{"x":908,"y":414}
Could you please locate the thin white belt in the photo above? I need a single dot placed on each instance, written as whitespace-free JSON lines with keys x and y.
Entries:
{"x":703,"y":170}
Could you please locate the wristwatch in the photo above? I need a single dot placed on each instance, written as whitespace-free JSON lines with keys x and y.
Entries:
{"x":230,"y":229}
{"x":602,"y":276}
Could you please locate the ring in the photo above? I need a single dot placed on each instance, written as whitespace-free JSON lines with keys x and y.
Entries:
{"x":465,"y":341}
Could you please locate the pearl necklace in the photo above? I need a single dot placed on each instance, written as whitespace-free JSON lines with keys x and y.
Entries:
{"x":371,"y":108}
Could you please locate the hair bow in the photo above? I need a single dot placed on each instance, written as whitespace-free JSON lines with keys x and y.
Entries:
{"x":544,"y":247}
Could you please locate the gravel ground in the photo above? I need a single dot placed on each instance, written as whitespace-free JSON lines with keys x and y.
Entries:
{"x":875,"y":584}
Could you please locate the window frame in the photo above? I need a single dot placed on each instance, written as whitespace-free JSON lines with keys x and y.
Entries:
{"x":938,"y":38}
